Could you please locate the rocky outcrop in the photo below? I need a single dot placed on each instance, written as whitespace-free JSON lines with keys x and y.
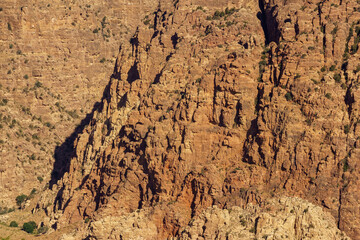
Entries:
{"x":285,"y":218}
{"x":224,"y":105}
{"x":55,"y":59}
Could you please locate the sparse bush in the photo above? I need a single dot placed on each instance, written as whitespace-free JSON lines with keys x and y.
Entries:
{"x":13,"y":224}
{"x":346,"y":129}
{"x":33,"y":191}
{"x":332,"y":68}
{"x":40,"y":179}
{"x":26,"y":76}
{"x":21,"y":199}
{"x":43,"y":229}
{"x":29,"y":227}
{"x":288,"y":96}
{"x":147,"y":21}
{"x":337,"y":77}
{"x":357,"y":69}
{"x":328,"y":95}
{"x":38,"y":84}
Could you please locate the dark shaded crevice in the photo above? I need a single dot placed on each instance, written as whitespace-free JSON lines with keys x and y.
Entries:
{"x":175,"y":40}
{"x":267,"y":16}
{"x":141,"y":197}
{"x":297,"y":30}
{"x":134,"y":41}
{"x":116,"y":74}
{"x":123,"y":101}
{"x":237,"y":119}
{"x":324,"y":38}
{"x":349,"y":100}
{"x":133,"y":73}
{"x":169,"y":56}
{"x":157,"y":78}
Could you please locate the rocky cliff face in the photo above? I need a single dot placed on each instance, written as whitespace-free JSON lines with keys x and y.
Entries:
{"x":55,"y":59}
{"x":211,"y":103}
{"x":224,"y":104}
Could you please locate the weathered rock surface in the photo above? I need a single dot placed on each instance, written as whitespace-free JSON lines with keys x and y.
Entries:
{"x":222,"y":103}
{"x":215,"y":106}
{"x":285,"y":218}
{"x":55,"y":60}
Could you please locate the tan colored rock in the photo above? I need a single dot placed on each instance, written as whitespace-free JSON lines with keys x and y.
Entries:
{"x":284,"y":218}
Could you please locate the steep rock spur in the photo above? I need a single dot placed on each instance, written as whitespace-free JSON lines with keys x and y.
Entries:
{"x":213,"y":106}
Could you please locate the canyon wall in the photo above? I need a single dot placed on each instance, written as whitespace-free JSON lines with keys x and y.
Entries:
{"x":210,"y":106}
{"x":224,"y":105}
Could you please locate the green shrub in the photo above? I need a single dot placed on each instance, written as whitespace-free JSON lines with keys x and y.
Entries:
{"x":14,"y":224}
{"x":38,"y":84}
{"x":40,"y":179}
{"x":337,"y":77}
{"x":289,"y":96}
{"x":26,"y":76}
{"x":33,"y":191}
{"x":328,"y":95}
{"x":43,"y":229}
{"x":20,"y":199}
{"x":29,"y":227}
{"x":332,"y":68}
{"x":346,"y":129}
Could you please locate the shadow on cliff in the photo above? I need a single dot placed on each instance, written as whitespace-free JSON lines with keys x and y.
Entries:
{"x":66,"y":151}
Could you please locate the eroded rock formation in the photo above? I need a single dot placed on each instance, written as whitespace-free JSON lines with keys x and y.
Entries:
{"x":224,"y":104}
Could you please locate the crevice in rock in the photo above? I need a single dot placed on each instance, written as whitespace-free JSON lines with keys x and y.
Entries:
{"x":349,"y":100}
{"x":297,"y":30}
{"x":175,"y":40}
{"x":267,"y":16}
{"x":133,"y":73}
{"x":237,"y":119}
{"x":157,"y":78}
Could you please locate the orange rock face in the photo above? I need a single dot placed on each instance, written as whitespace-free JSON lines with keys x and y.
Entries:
{"x":55,"y":59}
{"x":223,"y":103}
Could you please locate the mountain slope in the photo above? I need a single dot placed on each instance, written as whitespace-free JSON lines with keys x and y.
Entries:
{"x":224,"y":105}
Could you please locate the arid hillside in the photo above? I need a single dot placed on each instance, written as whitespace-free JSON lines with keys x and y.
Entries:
{"x":210,"y":106}
{"x":56,"y":59}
